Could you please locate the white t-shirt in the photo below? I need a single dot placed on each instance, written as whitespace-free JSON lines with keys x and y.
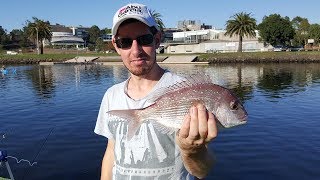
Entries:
{"x":149,"y":154}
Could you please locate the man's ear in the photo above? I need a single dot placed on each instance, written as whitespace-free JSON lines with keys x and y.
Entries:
{"x":157,"y":38}
{"x":115,"y":45}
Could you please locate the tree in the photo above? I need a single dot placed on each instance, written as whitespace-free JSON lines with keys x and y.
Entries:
{"x":241,"y":24}
{"x":105,"y":31}
{"x":39,"y":30}
{"x":25,"y":40}
{"x":19,"y":37}
{"x":94,"y":34}
{"x":100,"y":45}
{"x":157,"y":16}
{"x":314,"y":32}
{"x":301,"y":27}
{"x":16,"y":35}
{"x":276,"y":30}
{"x":3,"y":36}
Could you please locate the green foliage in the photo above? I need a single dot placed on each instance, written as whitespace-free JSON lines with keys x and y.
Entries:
{"x":314,"y":32}
{"x":301,"y":26}
{"x":39,"y":30}
{"x":157,"y":16}
{"x":105,"y":31}
{"x":94,"y":34}
{"x":16,"y":35}
{"x":100,"y":45}
{"x":4,"y":39}
{"x":241,"y":24}
{"x":25,"y":39}
{"x":91,"y":47}
{"x":276,"y":30}
{"x":2,"y":34}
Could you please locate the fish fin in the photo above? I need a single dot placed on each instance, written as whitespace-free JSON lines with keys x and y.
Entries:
{"x":161,"y":128}
{"x":133,"y":126}
{"x":186,"y":82}
{"x":131,"y":115}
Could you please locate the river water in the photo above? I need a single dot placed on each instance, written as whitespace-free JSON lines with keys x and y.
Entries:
{"x":48,"y":113}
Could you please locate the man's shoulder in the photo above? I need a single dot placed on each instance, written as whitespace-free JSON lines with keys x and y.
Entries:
{"x":171,"y":74}
{"x":115,"y":90}
{"x":171,"y":77}
{"x":117,"y":87}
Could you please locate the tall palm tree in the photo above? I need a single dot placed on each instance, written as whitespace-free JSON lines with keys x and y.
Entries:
{"x":39,"y":30}
{"x":241,"y":24}
{"x":157,"y":16}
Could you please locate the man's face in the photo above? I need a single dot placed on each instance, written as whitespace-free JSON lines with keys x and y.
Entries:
{"x":139,"y":58}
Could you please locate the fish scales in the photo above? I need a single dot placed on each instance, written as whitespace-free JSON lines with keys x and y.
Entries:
{"x":171,"y":108}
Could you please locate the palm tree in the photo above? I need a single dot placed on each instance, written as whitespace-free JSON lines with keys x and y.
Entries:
{"x":241,"y":24}
{"x":39,"y":30}
{"x":157,"y":16}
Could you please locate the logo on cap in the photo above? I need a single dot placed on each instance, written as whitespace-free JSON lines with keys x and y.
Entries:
{"x":131,"y":9}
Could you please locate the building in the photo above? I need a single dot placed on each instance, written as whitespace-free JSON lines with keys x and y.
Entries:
{"x":210,"y":41}
{"x":167,"y":35}
{"x":68,"y":36}
{"x":191,"y":36}
{"x":107,"y":37}
{"x":189,"y":25}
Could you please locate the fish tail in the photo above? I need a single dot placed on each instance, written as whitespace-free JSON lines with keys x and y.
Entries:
{"x":132,"y":117}
{"x":133,"y":126}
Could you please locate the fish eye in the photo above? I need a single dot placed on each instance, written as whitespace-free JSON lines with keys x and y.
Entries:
{"x":234,"y":105}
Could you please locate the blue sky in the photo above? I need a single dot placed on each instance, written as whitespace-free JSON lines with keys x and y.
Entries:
{"x":14,"y":13}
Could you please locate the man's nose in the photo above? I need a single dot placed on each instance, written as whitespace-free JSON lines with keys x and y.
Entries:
{"x":136,"y":47}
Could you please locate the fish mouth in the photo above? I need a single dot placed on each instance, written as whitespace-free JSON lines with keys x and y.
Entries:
{"x":242,"y":122}
{"x":244,"y":118}
{"x":230,"y":125}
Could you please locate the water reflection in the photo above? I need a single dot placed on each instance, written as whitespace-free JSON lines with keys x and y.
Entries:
{"x":278,"y":79}
{"x":42,"y":80}
{"x":272,"y":80}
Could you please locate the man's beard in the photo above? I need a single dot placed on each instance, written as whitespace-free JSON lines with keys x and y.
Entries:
{"x":141,"y":71}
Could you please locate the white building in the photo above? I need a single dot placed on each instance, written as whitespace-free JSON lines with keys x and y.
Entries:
{"x":210,"y":41}
{"x":67,"y":36}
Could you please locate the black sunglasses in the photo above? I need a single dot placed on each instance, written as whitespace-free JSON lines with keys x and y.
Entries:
{"x":143,"y":40}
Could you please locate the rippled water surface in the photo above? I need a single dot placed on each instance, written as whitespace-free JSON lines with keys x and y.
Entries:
{"x":47,"y":116}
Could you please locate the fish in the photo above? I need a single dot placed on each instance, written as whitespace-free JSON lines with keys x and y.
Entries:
{"x":169,"y":105}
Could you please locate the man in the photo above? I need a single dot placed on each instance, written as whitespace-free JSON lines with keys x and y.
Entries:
{"x":149,"y":154}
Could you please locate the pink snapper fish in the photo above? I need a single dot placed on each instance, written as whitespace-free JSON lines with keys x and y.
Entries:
{"x":171,"y":104}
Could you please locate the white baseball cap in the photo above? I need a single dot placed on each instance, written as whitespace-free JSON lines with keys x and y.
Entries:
{"x":133,"y":11}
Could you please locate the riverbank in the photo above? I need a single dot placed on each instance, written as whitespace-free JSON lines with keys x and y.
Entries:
{"x":262,"y":57}
{"x":252,"y":57}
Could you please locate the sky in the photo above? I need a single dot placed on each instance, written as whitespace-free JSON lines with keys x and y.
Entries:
{"x":14,"y":13}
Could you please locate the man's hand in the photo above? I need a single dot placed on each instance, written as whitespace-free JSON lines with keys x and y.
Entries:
{"x":198,"y":129}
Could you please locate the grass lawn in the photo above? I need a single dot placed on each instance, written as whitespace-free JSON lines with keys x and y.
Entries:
{"x":250,"y":57}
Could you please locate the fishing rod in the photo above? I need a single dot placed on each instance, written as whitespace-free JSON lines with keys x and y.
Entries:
{"x":4,"y":159}
{"x":44,"y":143}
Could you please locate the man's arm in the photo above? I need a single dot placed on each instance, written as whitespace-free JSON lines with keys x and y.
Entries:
{"x":198,"y":129}
{"x":107,"y":161}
